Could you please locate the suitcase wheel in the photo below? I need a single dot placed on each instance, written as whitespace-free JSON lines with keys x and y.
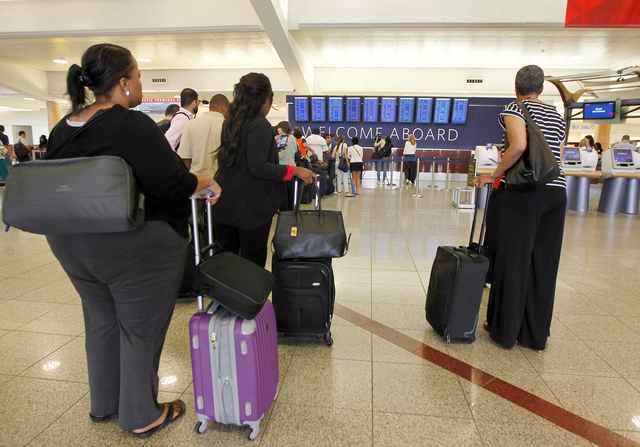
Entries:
{"x":201,"y":427}
{"x":328,"y":339}
{"x":255,"y":430}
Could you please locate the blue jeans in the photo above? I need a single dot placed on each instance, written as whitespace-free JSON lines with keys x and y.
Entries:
{"x":382,"y":165}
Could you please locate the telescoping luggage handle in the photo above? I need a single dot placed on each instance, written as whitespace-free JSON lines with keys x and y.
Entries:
{"x":198,"y":250}
{"x":484,"y":218}
{"x":296,"y":200}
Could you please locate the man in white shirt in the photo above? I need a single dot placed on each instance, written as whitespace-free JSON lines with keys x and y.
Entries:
{"x":201,"y":138}
{"x":188,"y":108}
{"x":317,"y":144}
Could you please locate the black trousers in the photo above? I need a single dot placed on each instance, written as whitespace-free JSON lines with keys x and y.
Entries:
{"x":128,"y":283}
{"x":250,"y":244}
{"x":411,"y":167}
{"x":527,"y":240}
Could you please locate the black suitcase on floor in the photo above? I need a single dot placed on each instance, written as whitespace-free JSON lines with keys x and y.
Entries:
{"x":303,"y":297}
{"x":455,"y":289}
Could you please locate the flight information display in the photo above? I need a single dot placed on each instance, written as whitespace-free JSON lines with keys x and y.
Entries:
{"x":424,"y":110}
{"x":442,"y":111}
{"x":336,"y":111}
{"x":599,"y":110}
{"x":460,"y":111}
{"x":407,"y":106}
{"x":388,"y":110}
{"x":370,"y":109}
{"x":301,"y":108}
{"x":353,"y":109}
{"x":318,"y":109}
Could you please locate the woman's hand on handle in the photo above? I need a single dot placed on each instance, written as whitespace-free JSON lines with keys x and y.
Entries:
{"x":306,"y":175}
{"x":213,"y":189}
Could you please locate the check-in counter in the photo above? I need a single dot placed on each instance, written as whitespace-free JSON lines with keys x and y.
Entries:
{"x":579,"y":188}
{"x":621,"y":187}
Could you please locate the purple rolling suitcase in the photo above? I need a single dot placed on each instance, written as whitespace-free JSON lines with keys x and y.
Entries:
{"x":234,"y":363}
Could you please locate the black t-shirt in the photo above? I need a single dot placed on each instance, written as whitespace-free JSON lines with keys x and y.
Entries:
{"x":4,"y":140}
{"x":162,"y":177}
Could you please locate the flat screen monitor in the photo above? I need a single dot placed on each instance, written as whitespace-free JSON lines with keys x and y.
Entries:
{"x":599,"y":110}
{"x":406,"y":110}
{"x":336,"y":109}
{"x":301,"y":109}
{"x":424,"y":110}
{"x":318,"y":109}
{"x":622,"y":156}
{"x":353,"y":109}
{"x":442,"y":111}
{"x":460,"y":111}
{"x":571,"y":155}
{"x":370,"y":109}
{"x":388,"y":108}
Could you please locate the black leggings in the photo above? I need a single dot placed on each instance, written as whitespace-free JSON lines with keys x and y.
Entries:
{"x":527,"y":240}
{"x":250,"y":244}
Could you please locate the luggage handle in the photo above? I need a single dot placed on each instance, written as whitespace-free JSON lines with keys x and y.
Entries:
{"x":195,"y":233}
{"x":484,"y":217}
{"x":297,"y":200}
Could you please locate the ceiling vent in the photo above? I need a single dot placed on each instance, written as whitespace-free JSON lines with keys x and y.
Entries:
{"x":475,"y":81}
{"x":158,"y":80}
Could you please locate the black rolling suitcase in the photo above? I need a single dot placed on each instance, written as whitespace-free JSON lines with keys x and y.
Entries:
{"x":455,"y":289}
{"x":303,"y":297}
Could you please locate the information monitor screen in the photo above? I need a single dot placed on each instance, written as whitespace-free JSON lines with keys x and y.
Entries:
{"x":571,"y":154}
{"x":406,"y":109}
{"x":424,"y":112}
{"x":388,"y":110}
{"x":336,"y":109}
{"x":353,"y":109}
{"x":599,"y":110}
{"x":442,"y":111}
{"x":622,"y":156}
{"x":460,"y":111}
{"x":318,"y":109}
{"x":370,"y":109}
{"x":301,"y":109}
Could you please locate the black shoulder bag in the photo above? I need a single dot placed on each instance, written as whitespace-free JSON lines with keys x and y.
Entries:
{"x":538,"y":165}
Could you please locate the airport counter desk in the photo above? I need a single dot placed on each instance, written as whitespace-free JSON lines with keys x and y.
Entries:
{"x":578,"y":189}
{"x":620,"y":193}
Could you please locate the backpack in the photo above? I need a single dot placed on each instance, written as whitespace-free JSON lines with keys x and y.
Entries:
{"x":164,"y":127}
{"x":21,"y":151}
{"x":386,"y":150}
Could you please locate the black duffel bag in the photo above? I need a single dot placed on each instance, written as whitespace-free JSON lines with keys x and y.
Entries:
{"x":310,"y":233}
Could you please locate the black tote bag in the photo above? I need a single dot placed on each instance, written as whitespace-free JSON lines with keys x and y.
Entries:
{"x":538,"y":165}
{"x":310,"y":233}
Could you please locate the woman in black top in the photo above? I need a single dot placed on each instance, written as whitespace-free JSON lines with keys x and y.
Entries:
{"x":128,"y":282}
{"x":249,"y":173}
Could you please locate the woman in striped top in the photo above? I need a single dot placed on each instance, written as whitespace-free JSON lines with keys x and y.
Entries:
{"x":525,"y":226}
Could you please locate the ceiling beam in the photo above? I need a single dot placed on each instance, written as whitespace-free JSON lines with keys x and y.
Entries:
{"x":24,"y":80}
{"x":274,"y":23}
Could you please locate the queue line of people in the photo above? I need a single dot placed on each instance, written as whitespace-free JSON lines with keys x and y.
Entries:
{"x":128,"y":282}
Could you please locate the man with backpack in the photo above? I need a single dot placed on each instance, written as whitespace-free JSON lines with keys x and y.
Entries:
{"x":189,"y":103}
{"x":169,"y":113}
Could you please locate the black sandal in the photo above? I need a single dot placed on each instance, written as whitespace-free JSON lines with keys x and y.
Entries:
{"x":168,"y":420}
{"x":100,"y":419}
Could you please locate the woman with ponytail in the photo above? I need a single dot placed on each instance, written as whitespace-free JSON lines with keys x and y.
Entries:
{"x":128,"y":282}
{"x":249,"y":172}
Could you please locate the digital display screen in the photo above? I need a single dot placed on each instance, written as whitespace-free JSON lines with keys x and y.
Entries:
{"x":353,"y":109}
{"x":301,"y":108}
{"x":370,"y":109}
{"x":460,"y":111}
{"x":599,"y":110}
{"x":571,"y":154}
{"x":407,"y":106}
{"x":622,"y":156}
{"x":442,"y":111}
{"x":388,"y":110}
{"x":336,"y":111}
{"x":318,"y":108}
{"x":424,"y":110}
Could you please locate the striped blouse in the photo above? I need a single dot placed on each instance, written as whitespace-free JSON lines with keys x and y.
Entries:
{"x":550,"y":122}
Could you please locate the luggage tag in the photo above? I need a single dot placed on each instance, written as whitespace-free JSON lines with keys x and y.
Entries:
{"x":293,"y":232}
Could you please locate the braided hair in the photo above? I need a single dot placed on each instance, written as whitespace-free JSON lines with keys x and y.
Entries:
{"x":249,"y":97}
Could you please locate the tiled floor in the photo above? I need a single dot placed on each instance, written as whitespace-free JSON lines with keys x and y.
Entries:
{"x":364,"y":390}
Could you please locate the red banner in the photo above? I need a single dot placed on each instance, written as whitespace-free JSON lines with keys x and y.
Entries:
{"x":603,"y":13}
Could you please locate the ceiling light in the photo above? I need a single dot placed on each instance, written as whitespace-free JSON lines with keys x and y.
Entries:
{"x":29,"y":99}
{"x":144,"y":60}
{"x":168,"y":380}
{"x":61,"y":61}
{"x":51,"y":365}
